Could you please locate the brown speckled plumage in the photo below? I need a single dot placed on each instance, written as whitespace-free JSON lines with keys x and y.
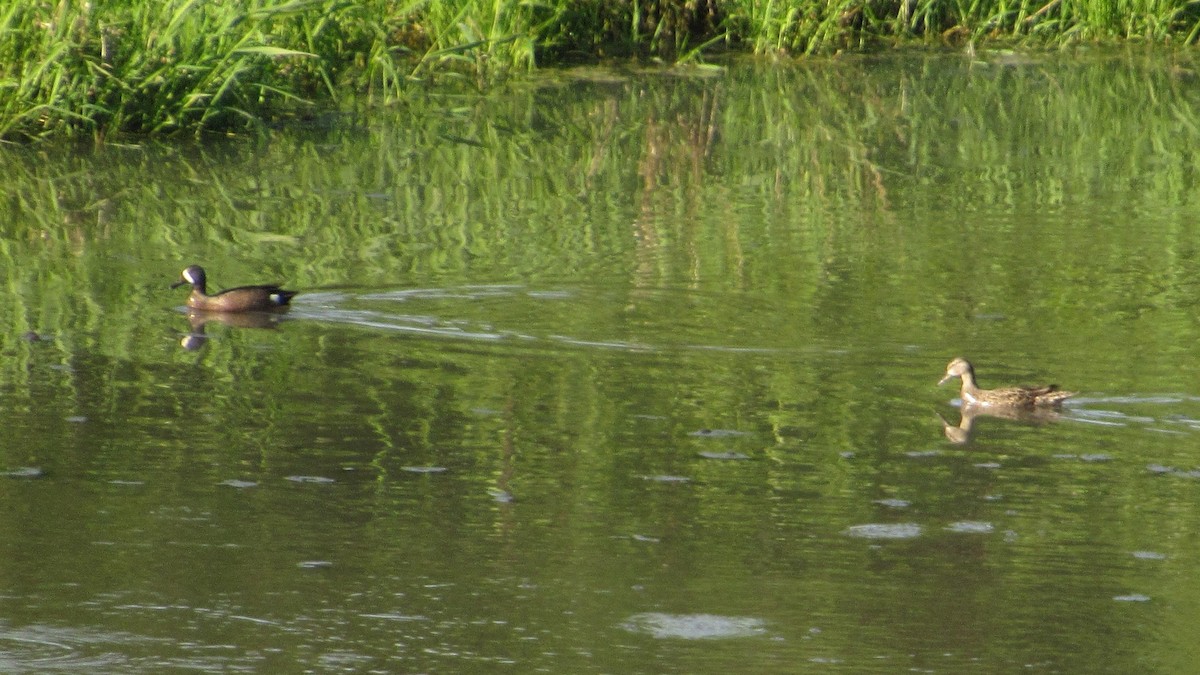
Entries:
{"x":1013,"y":397}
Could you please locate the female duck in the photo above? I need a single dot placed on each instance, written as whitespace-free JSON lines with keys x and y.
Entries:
{"x":240,"y":299}
{"x":1012,"y":397}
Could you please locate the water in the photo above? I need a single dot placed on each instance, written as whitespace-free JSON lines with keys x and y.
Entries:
{"x":618,"y":372}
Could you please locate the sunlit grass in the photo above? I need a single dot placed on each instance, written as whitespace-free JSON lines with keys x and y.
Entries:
{"x":153,"y":68}
{"x":807,"y":26}
{"x":92,"y":69}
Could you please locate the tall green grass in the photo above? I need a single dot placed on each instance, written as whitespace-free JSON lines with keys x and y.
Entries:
{"x":91,"y":69}
{"x":808,"y":26}
{"x":157,"y":67}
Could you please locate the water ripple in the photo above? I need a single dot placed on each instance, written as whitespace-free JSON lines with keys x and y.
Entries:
{"x":43,"y":649}
{"x":884,"y":531}
{"x":694,"y":626}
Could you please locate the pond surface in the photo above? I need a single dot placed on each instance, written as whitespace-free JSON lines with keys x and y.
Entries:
{"x":619,"y":372}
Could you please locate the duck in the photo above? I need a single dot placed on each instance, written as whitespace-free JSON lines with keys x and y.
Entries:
{"x":241,"y":299}
{"x":1011,"y":397}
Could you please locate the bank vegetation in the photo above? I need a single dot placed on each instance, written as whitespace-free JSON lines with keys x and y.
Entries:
{"x":91,"y":69}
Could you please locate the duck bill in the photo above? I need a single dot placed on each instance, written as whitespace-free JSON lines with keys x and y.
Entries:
{"x":946,"y":378}
{"x":179,"y":283}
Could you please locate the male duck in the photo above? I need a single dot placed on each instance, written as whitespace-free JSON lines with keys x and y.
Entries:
{"x":1012,"y":397}
{"x":240,"y":299}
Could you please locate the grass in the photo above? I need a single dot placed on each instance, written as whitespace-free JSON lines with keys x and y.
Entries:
{"x":134,"y":66}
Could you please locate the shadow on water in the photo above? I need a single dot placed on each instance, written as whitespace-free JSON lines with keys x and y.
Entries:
{"x":961,"y":433}
{"x":1157,"y":413}
{"x":199,"y":320}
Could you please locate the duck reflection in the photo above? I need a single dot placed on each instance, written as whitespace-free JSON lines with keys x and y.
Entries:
{"x":199,"y":321}
{"x":961,"y":433}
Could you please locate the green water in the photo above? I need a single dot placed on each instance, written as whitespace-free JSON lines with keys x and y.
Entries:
{"x":619,"y":372}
